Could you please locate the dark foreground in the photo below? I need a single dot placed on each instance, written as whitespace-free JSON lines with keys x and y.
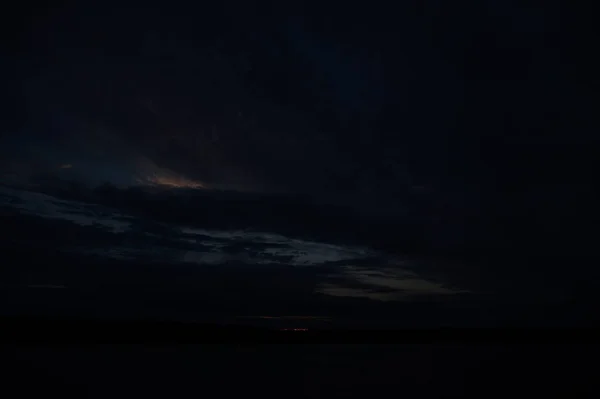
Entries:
{"x":143,"y":359}
{"x":46,"y":330}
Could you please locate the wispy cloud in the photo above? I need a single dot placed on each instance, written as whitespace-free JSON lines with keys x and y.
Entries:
{"x":382,"y":283}
{"x":46,"y":286}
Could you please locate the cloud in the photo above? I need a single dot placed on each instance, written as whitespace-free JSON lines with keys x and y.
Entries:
{"x":46,"y":206}
{"x":99,"y":154}
{"x":382,"y":283}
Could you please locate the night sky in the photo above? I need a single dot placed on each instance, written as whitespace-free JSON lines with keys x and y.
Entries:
{"x":466,"y":129}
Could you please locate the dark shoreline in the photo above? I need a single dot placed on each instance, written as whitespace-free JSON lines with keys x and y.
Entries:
{"x":43,"y":330}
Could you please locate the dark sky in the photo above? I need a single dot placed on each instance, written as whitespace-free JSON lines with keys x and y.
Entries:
{"x":478,"y":115}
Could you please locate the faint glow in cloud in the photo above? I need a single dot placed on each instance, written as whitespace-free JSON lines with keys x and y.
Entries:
{"x":150,"y":174}
{"x":66,"y":166}
{"x":170,"y":181}
{"x":384,"y":284}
